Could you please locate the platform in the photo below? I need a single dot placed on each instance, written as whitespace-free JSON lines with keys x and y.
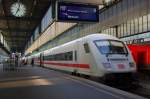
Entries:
{"x":29,"y":82}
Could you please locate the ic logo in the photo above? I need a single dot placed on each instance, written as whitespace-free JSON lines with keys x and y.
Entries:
{"x":121,"y":66}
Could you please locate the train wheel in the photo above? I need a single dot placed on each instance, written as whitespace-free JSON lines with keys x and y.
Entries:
{"x":74,"y":72}
{"x":86,"y":76}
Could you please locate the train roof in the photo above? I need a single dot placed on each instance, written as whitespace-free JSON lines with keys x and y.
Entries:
{"x":95,"y":36}
{"x":99,"y":36}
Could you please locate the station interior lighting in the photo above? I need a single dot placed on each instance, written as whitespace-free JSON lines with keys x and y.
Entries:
{"x":107,"y":1}
{"x":101,"y":6}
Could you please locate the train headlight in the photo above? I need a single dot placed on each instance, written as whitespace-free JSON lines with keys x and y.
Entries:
{"x":107,"y":65}
{"x":131,"y":64}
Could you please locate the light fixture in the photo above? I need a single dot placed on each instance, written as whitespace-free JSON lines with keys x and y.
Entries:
{"x":101,"y":6}
{"x":18,"y":9}
{"x":107,"y":1}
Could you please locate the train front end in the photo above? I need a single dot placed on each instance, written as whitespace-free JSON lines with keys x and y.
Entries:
{"x":116,"y":61}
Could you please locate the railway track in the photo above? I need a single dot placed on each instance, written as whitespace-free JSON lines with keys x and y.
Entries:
{"x":143,"y":89}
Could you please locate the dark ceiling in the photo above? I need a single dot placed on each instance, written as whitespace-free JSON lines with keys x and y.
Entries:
{"x":17,"y":31}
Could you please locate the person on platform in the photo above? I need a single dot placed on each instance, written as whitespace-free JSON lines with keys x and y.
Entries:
{"x":32,"y":62}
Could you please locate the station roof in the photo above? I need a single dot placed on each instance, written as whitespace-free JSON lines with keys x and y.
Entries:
{"x":17,"y":30}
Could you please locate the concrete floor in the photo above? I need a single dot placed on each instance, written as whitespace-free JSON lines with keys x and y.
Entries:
{"x":38,"y":83}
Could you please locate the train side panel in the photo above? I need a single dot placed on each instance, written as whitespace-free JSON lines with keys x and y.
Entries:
{"x":59,"y":64}
{"x":80,"y":62}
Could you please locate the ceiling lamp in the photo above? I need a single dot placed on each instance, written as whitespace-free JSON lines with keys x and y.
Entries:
{"x":107,"y":1}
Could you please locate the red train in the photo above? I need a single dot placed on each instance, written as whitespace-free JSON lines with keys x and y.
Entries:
{"x":141,"y":55}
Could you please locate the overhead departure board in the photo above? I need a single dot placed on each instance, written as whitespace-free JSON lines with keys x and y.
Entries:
{"x":77,"y":12}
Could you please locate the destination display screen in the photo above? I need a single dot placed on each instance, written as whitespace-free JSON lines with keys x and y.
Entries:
{"x":77,"y":12}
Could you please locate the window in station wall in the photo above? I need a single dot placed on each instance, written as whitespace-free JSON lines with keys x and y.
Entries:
{"x":128,"y":28}
{"x":145,"y":23}
{"x":136,"y":26}
{"x":140,"y":25}
{"x":36,"y":32}
{"x":125,"y":29}
{"x":132,"y":27}
{"x":148,"y":22}
{"x":121,"y":30}
{"x":46,"y":19}
{"x":2,"y":39}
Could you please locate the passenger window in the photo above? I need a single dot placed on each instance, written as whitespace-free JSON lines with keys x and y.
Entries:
{"x":86,"y":48}
{"x":69,"y":55}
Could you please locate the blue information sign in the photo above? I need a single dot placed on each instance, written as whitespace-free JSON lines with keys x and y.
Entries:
{"x":77,"y":12}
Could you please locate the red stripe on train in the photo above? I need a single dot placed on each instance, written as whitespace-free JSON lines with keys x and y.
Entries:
{"x":68,"y":65}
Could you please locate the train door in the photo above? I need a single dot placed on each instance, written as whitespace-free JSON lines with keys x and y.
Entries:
{"x":141,"y":60}
{"x":84,"y":57}
{"x":41,"y":59}
{"x":83,"y":53}
{"x":75,"y":56}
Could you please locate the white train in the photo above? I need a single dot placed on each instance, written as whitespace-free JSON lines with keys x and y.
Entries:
{"x":98,"y":55}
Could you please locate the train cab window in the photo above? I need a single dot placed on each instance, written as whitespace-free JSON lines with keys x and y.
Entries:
{"x":86,"y":48}
{"x":111,"y":47}
{"x":103,"y":46}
